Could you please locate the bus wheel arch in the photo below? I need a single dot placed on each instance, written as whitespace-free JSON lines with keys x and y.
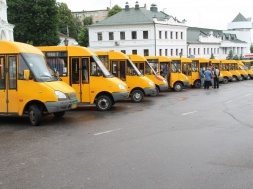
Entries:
{"x":35,"y":110}
{"x":104,"y":101}
{"x":157,"y":90}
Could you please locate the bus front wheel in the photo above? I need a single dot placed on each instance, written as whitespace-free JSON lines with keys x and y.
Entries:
{"x":35,"y":115}
{"x":225,"y":80}
{"x":197,"y":84}
{"x":103,"y":103}
{"x":156,"y":92}
{"x":178,"y":87}
{"x":137,"y":96}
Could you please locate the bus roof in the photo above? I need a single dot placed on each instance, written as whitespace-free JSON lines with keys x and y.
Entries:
{"x":136,"y":57}
{"x":200,"y":59}
{"x":72,"y":50}
{"x":17,"y":47}
{"x":160,"y":58}
{"x":215,"y":61}
{"x":113,"y":54}
{"x":182,"y":59}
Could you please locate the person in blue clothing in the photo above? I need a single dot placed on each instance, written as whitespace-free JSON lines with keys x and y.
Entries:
{"x":164,"y":71}
{"x":202,"y":77}
{"x":208,"y":77}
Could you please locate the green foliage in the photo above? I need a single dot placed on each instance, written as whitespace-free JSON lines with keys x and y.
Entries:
{"x":235,"y":57}
{"x":114,"y":10}
{"x":67,"y":24}
{"x":212,"y":56}
{"x":251,"y":48}
{"x":35,"y":21}
{"x":230,"y":55}
{"x":241,"y":57}
{"x":83,"y":36}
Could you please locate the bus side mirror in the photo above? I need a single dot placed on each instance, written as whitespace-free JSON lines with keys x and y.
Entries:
{"x":26,"y":74}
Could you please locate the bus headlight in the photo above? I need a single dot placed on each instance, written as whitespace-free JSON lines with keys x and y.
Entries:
{"x":151,"y":83}
{"x":122,"y":87}
{"x":60,"y":94}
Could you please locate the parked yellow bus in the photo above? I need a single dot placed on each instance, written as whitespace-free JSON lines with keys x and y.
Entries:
{"x":122,"y":67}
{"x":81,"y":68}
{"x":241,"y":69}
{"x":227,"y":76}
{"x":27,"y":86}
{"x":248,"y":65}
{"x":146,"y":69}
{"x":177,"y":81}
{"x":232,"y":67}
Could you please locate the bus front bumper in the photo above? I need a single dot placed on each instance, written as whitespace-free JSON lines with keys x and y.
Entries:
{"x":60,"y":106}
{"x":186,"y":84}
{"x":164,"y":87}
{"x":221,"y":79}
{"x":149,"y":91}
{"x":120,"y":96}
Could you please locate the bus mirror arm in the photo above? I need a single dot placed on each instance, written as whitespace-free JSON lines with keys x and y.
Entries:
{"x":26,"y":74}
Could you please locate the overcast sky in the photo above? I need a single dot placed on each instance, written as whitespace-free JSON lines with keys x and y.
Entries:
{"x":213,"y":14}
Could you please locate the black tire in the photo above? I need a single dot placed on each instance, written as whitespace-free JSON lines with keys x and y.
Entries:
{"x":197,"y":84}
{"x":103,"y":103}
{"x":35,"y":115}
{"x":225,"y":80}
{"x":156,"y":92}
{"x":248,"y":77}
{"x":178,"y":87}
{"x":59,"y":114}
{"x":137,"y":96}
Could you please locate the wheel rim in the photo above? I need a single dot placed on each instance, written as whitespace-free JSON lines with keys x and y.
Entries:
{"x":32,"y":117}
{"x":178,"y":87}
{"x":137,"y":96}
{"x":103,"y":103}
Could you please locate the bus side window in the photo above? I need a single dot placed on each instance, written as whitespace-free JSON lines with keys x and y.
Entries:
{"x":122,"y":70}
{"x":75,"y":70}
{"x":2,"y":75}
{"x":12,"y":72}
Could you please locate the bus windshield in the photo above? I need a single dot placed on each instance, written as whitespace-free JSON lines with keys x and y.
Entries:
{"x":149,"y":69}
{"x":39,"y":67}
{"x":106,"y":73}
{"x":132,"y":69}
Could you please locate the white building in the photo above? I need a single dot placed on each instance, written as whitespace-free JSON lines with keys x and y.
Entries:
{"x":6,"y":29}
{"x":150,"y":32}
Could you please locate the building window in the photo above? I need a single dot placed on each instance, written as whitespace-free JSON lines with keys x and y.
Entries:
{"x":198,"y":50}
{"x":182,"y":52}
{"x":134,"y":35}
{"x":160,"y":52}
{"x":176,"y":35}
{"x":122,"y":35}
{"x":194,"y":51}
{"x":214,"y":50}
{"x":111,"y":36}
{"x":145,"y":34}
{"x":182,"y":35}
{"x":134,"y":51}
{"x":204,"y":50}
{"x":218,"y":50}
{"x":171,"y":35}
{"x":123,"y":51}
{"x":166,"y":52}
{"x":176,"y":52}
{"x":207,"y":50}
{"x":160,"y":34}
{"x":166,"y":35}
{"x":171,"y":52}
{"x":190,"y":51}
{"x":146,"y":52}
{"x":100,"y":37}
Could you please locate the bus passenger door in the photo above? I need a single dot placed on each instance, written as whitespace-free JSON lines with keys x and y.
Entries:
{"x":8,"y":85}
{"x":119,"y":69}
{"x":78,"y":80}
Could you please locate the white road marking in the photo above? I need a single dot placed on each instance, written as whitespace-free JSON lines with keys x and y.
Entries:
{"x":229,"y":101}
{"x":106,"y":132}
{"x":190,"y":113}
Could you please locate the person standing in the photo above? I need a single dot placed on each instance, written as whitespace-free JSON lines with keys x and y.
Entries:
{"x":208,"y":77}
{"x":201,"y":75}
{"x":216,"y":77}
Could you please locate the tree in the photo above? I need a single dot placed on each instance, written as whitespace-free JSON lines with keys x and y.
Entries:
{"x":212,"y":56}
{"x":230,"y":55}
{"x":35,"y":21}
{"x":83,"y":36}
{"x":236,"y":57}
{"x":67,"y":24}
{"x":251,"y":48}
{"x":114,"y":10}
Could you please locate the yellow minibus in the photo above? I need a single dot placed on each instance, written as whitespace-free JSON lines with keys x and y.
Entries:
{"x":27,"y":85}
{"x":230,"y":66}
{"x":227,"y":76}
{"x":176,"y":80}
{"x":82,"y":69}
{"x":247,"y":65}
{"x":122,"y":67}
{"x":146,"y":69}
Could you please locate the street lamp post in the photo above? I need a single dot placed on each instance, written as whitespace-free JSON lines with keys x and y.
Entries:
{"x":66,"y":42}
